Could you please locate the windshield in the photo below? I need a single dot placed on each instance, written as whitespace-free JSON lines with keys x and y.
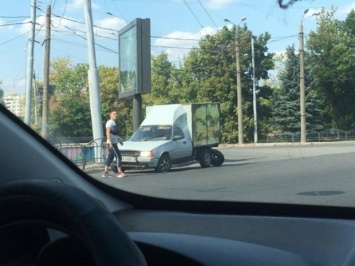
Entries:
{"x":246,"y":101}
{"x":151,"y":133}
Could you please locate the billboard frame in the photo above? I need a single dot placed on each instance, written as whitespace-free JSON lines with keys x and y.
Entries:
{"x":134,"y":64}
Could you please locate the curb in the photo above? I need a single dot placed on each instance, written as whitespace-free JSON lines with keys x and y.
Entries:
{"x":251,"y":145}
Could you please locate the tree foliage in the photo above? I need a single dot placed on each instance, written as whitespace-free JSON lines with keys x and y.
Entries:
{"x":331,"y":49}
{"x":286,"y":106}
{"x":69,"y":106}
{"x":109,"y":93}
{"x":208,"y":74}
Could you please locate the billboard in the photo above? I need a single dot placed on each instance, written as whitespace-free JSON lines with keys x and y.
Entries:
{"x":134,"y":58}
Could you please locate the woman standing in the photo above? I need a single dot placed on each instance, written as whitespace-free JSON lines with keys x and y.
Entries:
{"x":113,"y":139}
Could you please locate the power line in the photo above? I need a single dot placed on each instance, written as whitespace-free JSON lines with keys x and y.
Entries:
{"x":207,"y":14}
{"x":13,"y":24}
{"x":193,"y":14}
{"x":118,"y":10}
{"x":17,"y":17}
{"x":13,"y":39}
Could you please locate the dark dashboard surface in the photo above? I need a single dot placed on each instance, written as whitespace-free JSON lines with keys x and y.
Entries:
{"x":244,"y":240}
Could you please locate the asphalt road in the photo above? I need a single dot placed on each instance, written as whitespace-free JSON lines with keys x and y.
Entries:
{"x":307,"y":174}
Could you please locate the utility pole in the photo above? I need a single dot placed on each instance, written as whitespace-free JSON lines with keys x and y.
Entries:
{"x":46,"y":74}
{"x":239,"y":83}
{"x":35,"y":97}
{"x":302,"y":90}
{"x":239,"y":89}
{"x":254,"y":94}
{"x":93,"y":74}
{"x":29,"y":67}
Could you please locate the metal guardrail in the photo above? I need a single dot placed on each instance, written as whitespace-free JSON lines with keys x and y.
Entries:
{"x":84,"y":151}
{"x":313,"y":136}
{"x":81,"y":153}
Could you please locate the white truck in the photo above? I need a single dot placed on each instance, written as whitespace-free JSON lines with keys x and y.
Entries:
{"x":174,"y":134}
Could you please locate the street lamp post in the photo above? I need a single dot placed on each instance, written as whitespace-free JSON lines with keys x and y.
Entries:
{"x":302,"y":89}
{"x":302,"y":92}
{"x":239,"y":85}
{"x":254,"y":93}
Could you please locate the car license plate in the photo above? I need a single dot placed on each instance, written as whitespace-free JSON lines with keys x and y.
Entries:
{"x":129,"y":159}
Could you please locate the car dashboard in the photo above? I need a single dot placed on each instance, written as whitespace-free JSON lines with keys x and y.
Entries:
{"x":207,"y":239}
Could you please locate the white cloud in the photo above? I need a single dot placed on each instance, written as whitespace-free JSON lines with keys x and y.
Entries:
{"x":68,"y":24}
{"x":27,"y":25}
{"x":178,"y":44}
{"x":217,"y":4}
{"x":108,"y":25}
{"x":346,"y":9}
{"x":214,"y":4}
{"x":2,"y":22}
{"x":79,"y":4}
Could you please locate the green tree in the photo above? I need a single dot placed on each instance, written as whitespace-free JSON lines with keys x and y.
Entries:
{"x":286,"y":105}
{"x":331,"y":49}
{"x":286,"y":111}
{"x":109,"y":92}
{"x":70,"y":113}
{"x":161,"y":75}
{"x":69,"y":106}
{"x":211,"y":70}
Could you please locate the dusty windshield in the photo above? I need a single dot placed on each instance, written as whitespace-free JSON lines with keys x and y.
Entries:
{"x":246,"y":100}
{"x":151,"y":133}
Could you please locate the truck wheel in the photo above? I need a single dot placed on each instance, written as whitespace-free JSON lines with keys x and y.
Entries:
{"x":164,"y":164}
{"x":205,"y":158}
{"x":217,"y":158}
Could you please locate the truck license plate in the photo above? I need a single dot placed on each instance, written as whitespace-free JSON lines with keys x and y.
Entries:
{"x":128,"y":159}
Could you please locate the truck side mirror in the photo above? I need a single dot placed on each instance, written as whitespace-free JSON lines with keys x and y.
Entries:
{"x":178,"y":137}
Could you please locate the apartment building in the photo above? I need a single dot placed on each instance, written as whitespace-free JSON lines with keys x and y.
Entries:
{"x":15,"y":103}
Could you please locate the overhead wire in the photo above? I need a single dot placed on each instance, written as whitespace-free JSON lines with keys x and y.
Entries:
{"x":192,"y":12}
{"x":207,"y":13}
{"x":118,"y":10}
{"x":74,"y":32}
{"x":17,"y":37}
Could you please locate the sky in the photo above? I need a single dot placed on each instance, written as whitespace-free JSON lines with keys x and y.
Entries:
{"x":176,"y":27}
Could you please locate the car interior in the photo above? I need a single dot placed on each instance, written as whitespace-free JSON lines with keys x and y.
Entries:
{"x":52,"y":213}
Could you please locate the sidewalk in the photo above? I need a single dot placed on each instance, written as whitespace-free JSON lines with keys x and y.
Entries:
{"x":246,"y":145}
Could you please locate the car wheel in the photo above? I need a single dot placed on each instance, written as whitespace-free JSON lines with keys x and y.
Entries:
{"x":217,"y":157}
{"x":69,"y":210}
{"x":205,"y":158}
{"x":164,"y":164}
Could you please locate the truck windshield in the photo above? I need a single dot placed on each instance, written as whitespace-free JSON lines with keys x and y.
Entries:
{"x":152,"y":133}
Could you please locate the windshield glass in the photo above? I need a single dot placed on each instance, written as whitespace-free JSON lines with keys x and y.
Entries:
{"x":151,"y":133}
{"x":249,"y":101}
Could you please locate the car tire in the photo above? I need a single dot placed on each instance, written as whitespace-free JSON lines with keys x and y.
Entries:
{"x":217,"y":158}
{"x":164,"y":164}
{"x":205,"y":158}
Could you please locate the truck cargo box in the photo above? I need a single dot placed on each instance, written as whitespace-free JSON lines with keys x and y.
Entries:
{"x":204,"y":123}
